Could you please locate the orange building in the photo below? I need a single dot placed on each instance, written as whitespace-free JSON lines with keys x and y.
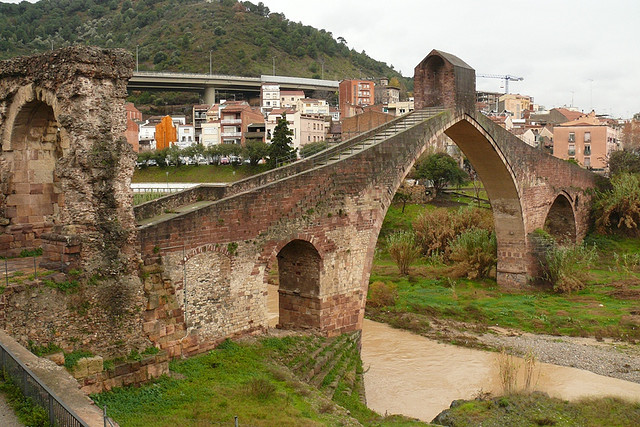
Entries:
{"x":355,"y":93}
{"x":165,"y":133}
{"x":587,"y":140}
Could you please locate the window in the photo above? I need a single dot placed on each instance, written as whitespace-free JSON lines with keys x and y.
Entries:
{"x":572,"y":150}
{"x":587,"y":137}
{"x":587,"y":149}
{"x":572,"y":137}
{"x":587,"y":162}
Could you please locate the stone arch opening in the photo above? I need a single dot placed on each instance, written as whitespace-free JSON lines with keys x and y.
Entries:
{"x":299,"y":270}
{"x":33,"y":200}
{"x":560,"y":221}
{"x":434,"y":78}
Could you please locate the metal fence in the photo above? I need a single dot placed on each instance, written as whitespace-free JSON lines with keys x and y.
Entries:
{"x":59,"y":414}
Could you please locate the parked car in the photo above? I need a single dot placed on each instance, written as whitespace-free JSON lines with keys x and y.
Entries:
{"x":224,"y":160}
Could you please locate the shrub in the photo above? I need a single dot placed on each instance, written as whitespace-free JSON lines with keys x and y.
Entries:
{"x":619,"y":207}
{"x":476,"y":252}
{"x":403,"y":249}
{"x":382,"y":294}
{"x":567,"y":268}
{"x":436,"y":229}
{"x":261,"y":388}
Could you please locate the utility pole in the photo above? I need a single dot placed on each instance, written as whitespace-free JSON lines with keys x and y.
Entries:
{"x":591,"y":93}
{"x":274,"y":65}
{"x":137,"y":67}
{"x":210,"y":64}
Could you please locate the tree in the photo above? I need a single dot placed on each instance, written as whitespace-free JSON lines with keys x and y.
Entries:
{"x":255,"y":151}
{"x":403,"y":249}
{"x":309,"y":150}
{"x":441,"y":169}
{"x":624,"y":161}
{"x":280,"y":148}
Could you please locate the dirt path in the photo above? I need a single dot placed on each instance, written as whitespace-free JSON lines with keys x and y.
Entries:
{"x":7,"y":416}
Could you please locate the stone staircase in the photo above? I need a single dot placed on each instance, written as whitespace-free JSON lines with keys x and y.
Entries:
{"x":169,"y":207}
{"x":327,"y":363}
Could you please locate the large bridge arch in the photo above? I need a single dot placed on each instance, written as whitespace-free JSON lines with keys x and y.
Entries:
{"x":560,"y":220}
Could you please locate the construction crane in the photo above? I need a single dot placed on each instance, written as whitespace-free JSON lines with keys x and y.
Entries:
{"x":506,"y":79}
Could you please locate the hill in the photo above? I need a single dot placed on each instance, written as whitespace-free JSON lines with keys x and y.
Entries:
{"x":240,"y":37}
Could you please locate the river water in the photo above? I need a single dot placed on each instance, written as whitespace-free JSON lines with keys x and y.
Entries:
{"x":418,"y":377}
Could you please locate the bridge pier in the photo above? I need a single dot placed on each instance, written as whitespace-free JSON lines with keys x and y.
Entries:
{"x":209,"y":95}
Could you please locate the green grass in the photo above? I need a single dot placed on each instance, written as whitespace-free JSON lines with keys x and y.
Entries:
{"x":27,"y":412}
{"x":196,"y":173}
{"x":236,"y":379}
{"x":538,"y":409}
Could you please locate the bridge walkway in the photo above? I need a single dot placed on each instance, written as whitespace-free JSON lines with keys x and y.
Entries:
{"x":332,"y":154}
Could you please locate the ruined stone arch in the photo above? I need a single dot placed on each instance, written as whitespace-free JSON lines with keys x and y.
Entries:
{"x":560,"y":220}
{"x":33,"y":142}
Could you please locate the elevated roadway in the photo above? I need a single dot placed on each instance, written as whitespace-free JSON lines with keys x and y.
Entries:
{"x":208,"y":84}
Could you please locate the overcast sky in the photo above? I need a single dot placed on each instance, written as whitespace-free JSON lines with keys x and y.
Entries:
{"x":584,"y":52}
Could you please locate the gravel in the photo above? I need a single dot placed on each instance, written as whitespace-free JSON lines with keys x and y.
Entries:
{"x":613,"y":359}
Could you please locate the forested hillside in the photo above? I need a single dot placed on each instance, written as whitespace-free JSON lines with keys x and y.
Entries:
{"x":242,"y":38}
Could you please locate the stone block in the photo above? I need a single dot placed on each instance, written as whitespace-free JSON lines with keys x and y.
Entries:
{"x":81,"y":369}
{"x":95,"y":365}
{"x":57,"y":358}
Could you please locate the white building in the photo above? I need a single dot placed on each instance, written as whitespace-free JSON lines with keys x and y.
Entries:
{"x":290,"y":98}
{"x":147,"y":135}
{"x":185,"y":135}
{"x":269,"y":97}
{"x":313,"y":106}
{"x":210,"y":133}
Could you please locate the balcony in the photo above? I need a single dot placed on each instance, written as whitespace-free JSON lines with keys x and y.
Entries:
{"x":231,"y":134}
{"x":231,"y":121}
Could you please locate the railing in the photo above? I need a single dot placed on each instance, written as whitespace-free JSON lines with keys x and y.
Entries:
{"x":59,"y":414}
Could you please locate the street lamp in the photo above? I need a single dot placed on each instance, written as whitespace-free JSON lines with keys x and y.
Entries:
{"x":274,"y":65}
{"x":210,"y":69}
{"x":137,"y":67}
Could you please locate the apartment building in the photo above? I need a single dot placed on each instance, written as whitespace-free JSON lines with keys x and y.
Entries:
{"x":269,"y":97}
{"x":385,"y":94}
{"x":310,"y":106}
{"x":355,"y":94}
{"x":228,"y":123}
{"x":588,"y":140}
{"x":289,"y":98}
{"x":515,"y":104}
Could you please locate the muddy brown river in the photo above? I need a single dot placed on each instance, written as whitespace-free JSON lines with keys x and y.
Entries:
{"x":418,"y":377}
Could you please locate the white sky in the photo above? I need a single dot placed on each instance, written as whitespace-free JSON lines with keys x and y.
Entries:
{"x":587,"y":51}
{"x":588,"y":47}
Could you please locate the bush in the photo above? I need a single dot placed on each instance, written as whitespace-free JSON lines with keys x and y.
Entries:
{"x":476,"y":252}
{"x":567,"y":268}
{"x":403,"y":249}
{"x":619,"y":208}
{"x":436,"y":229}
{"x":382,"y":294}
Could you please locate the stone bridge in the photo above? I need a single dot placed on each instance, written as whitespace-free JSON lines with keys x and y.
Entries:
{"x":211,"y":250}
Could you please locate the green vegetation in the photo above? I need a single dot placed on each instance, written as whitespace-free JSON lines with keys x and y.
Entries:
{"x":402,"y":247}
{"x":26,"y":253}
{"x":27,"y":412}
{"x":605,"y":307}
{"x":193,"y":173}
{"x":538,"y":409}
{"x":441,"y":169}
{"x":280,"y":149}
{"x":71,"y":359}
{"x":618,"y":209}
{"x":249,"y":380}
{"x":43,"y":350}
{"x":67,"y":286}
{"x":242,"y":38}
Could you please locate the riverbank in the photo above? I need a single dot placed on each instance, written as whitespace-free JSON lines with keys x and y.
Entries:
{"x":419,"y":377}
